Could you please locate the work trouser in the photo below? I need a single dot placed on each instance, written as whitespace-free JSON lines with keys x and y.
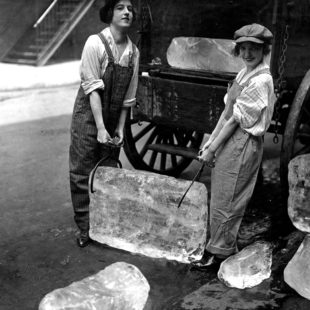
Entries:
{"x":232,"y":183}
{"x":85,"y":152}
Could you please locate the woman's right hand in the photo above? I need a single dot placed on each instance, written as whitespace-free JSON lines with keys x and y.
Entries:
{"x":103,"y":135}
{"x":208,"y":157}
{"x":207,"y":144}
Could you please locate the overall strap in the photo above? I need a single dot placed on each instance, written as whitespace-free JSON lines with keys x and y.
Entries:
{"x":229,"y":108}
{"x":262,"y":71}
{"x":132,"y":56}
{"x":107,"y":47}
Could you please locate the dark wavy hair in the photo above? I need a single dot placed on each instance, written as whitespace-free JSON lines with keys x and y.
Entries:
{"x":106,"y":12}
{"x":266,"y":48}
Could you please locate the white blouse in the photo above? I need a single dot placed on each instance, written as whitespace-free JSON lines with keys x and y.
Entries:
{"x":95,"y":60}
{"x":253,"y":108}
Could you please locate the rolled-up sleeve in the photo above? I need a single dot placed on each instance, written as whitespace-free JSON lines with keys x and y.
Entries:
{"x":250,"y":104}
{"x":90,"y":69}
{"x":130,"y":97}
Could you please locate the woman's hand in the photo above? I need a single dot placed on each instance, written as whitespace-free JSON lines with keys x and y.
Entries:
{"x":207,"y":144}
{"x":103,"y":136}
{"x":207,"y":156}
{"x":119,"y":136}
{"x":234,"y":91}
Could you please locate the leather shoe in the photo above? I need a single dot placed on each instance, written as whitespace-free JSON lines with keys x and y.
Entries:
{"x":207,"y":260}
{"x":83,"y":240}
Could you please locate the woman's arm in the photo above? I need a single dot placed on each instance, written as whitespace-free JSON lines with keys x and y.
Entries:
{"x":96,"y":107}
{"x":226,"y":132}
{"x":233,"y":92}
{"x":215,"y":132}
{"x":119,"y":132}
{"x":129,"y":99}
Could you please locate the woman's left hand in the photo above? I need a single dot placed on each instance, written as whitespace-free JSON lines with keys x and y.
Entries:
{"x":208,"y":157}
{"x":119,"y":134}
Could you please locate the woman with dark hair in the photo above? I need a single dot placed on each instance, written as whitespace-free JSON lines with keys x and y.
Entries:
{"x":235,"y":147}
{"x":109,"y":79}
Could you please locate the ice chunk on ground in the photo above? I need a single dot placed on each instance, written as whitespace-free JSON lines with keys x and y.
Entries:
{"x":247,"y":268}
{"x":297,"y":271}
{"x":120,"y":286}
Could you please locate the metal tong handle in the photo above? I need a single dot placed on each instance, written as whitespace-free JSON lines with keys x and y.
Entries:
{"x":92,"y":173}
{"x":196,"y":177}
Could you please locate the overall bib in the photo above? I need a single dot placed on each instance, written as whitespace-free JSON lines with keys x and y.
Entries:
{"x":85,"y":150}
{"x":232,"y":183}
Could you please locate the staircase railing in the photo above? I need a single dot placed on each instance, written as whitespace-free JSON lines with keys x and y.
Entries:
{"x":41,"y":18}
{"x":57,"y":16}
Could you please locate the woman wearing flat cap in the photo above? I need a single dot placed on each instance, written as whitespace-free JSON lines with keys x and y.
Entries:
{"x":237,"y":142}
{"x":109,"y":78}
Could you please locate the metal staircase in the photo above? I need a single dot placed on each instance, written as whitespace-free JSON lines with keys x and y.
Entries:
{"x":41,"y":41}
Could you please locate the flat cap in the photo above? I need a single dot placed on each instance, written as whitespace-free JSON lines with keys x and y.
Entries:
{"x":253,"y":33}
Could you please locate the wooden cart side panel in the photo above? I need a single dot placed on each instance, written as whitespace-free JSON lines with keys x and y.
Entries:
{"x":179,"y":104}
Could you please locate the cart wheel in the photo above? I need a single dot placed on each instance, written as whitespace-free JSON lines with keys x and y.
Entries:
{"x":139,"y":139}
{"x":296,"y":139}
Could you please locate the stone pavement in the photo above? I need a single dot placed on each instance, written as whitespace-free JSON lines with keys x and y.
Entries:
{"x":37,"y":244}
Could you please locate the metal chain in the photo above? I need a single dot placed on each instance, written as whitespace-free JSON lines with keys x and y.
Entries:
{"x":280,"y":83}
{"x":143,"y":23}
{"x":146,"y":16}
{"x":145,"y":20}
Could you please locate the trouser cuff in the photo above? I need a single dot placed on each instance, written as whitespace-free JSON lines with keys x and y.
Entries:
{"x":221,"y":251}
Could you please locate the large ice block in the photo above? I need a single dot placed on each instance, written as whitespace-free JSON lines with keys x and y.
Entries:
{"x":120,"y":286}
{"x":299,"y":192}
{"x":196,"y":53}
{"x":137,"y":211}
{"x":297,"y":271}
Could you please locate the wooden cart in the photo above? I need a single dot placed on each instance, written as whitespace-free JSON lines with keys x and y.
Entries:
{"x":176,"y":107}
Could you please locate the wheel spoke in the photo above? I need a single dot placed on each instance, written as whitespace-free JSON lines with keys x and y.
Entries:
{"x":153,"y":159}
{"x":173,"y":156}
{"x":143,"y":132}
{"x":180,"y":138}
{"x":163,"y":157}
{"x":170,"y":139}
{"x":154,"y":153}
{"x":194,"y":137}
{"x":149,"y":141}
{"x":174,"y":160}
{"x":188,"y":137}
{"x":163,"y":161}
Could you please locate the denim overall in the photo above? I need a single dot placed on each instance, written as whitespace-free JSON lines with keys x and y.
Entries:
{"x":232,"y":183}
{"x":85,"y":150}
